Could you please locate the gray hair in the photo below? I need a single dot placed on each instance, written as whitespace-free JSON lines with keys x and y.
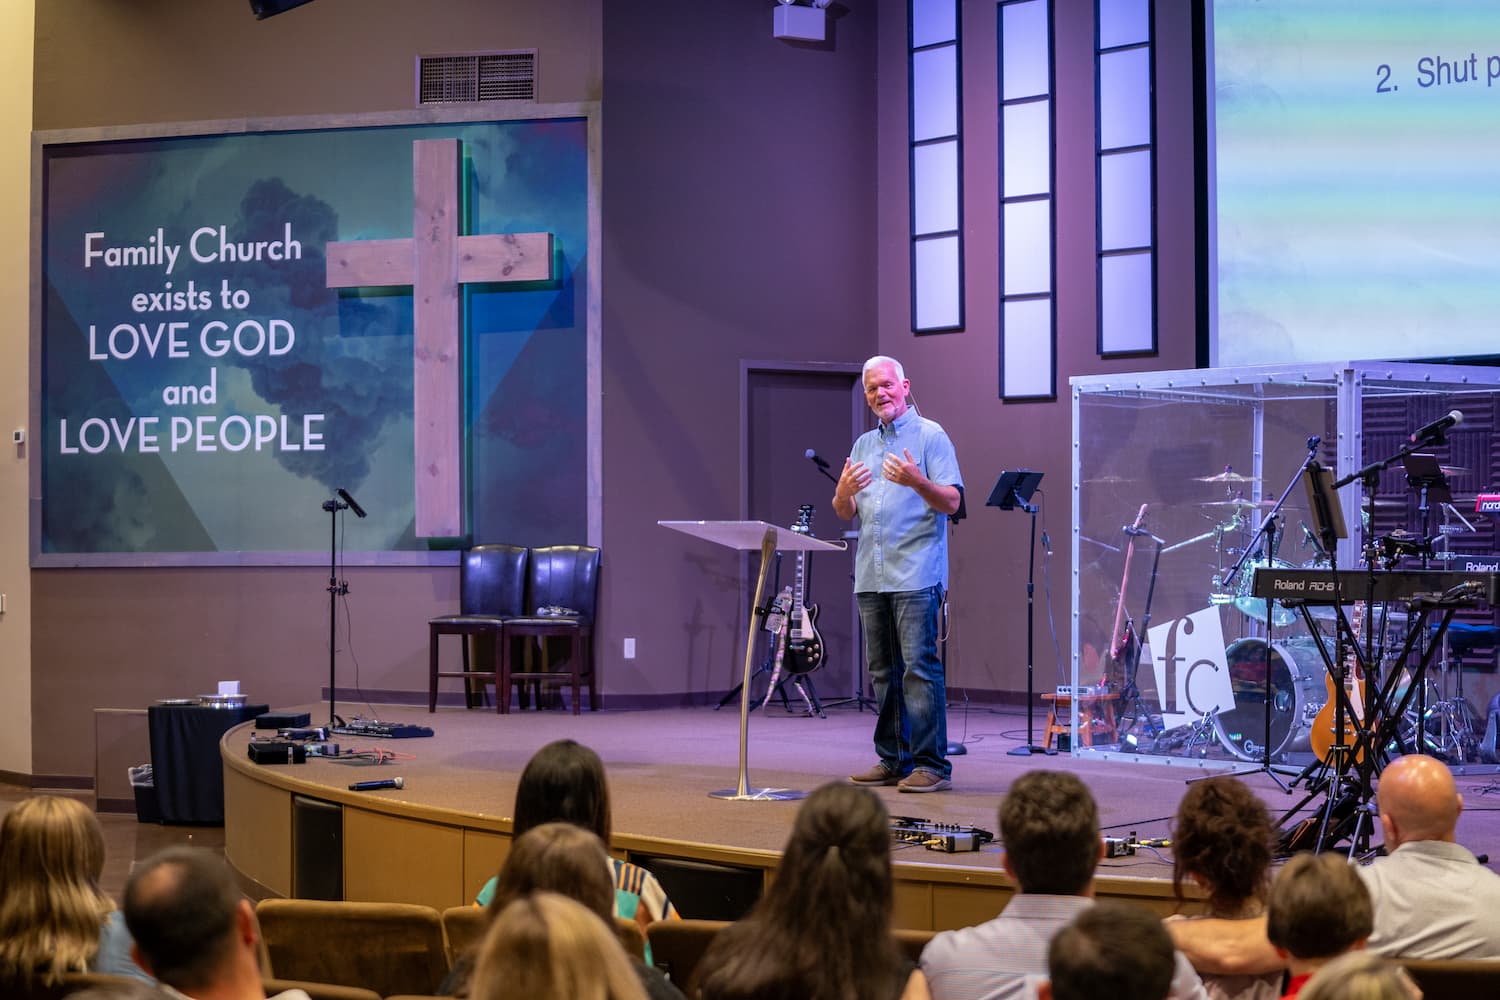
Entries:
{"x":881,"y":359}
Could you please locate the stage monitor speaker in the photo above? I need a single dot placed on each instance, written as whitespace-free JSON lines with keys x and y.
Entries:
{"x":263,"y":9}
{"x":703,"y":891}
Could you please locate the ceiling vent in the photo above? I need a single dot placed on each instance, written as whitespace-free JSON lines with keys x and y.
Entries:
{"x":483,"y":76}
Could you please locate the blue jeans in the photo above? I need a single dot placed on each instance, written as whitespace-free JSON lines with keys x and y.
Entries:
{"x":911,"y":729}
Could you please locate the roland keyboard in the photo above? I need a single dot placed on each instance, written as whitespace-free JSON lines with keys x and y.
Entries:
{"x":1440,"y":587}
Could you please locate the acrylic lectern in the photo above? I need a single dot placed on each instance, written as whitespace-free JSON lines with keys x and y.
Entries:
{"x":747,"y":536}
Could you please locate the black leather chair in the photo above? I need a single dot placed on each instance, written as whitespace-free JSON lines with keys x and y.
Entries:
{"x":492,"y":589}
{"x":561,"y":577}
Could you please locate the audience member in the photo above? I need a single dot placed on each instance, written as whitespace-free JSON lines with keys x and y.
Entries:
{"x":822,"y":931}
{"x":572,"y":862}
{"x":1433,"y":899}
{"x":54,"y":918}
{"x":1114,"y":950}
{"x":548,"y":947}
{"x":193,"y":928}
{"x":1318,"y":910}
{"x":564,"y":782}
{"x":1050,"y":829}
{"x":1360,"y":975}
{"x":1223,"y":840}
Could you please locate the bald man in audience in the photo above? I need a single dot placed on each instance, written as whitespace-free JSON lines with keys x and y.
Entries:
{"x":1433,"y":899}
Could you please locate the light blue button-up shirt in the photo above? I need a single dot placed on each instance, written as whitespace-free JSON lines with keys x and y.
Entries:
{"x":903,"y":543}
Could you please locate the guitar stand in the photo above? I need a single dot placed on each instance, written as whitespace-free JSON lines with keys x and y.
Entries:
{"x":761,"y":612}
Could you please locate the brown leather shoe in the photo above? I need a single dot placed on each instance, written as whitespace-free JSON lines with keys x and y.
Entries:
{"x":876,"y":775}
{"x":923,"y":781}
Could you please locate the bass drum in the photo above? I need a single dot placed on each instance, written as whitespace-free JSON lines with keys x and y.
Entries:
{"x":1298,"y":690}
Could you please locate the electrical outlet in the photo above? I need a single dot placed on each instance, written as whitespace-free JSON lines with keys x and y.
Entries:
{"x":630,"y":648}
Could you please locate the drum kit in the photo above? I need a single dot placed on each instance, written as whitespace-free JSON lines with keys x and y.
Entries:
{"x":1297,"y":673}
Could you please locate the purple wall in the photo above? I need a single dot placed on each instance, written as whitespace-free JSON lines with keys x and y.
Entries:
{"x":754,"y":207}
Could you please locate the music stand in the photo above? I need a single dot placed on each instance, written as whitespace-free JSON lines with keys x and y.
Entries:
{"x":1014,"y":489}
{"x":748,"y":536}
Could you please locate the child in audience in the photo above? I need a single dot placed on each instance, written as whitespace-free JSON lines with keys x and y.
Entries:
{"x":1319,"y":909}
{"x":564,"y":781}
{"x":1115,"y":950}
{"x":822,"y":931}
{"x":570,"y":861}
{"x":1360,"y":975}
{"x":1223,"y":840}
{"x":548,"y":947}
{"x":54,"y":918}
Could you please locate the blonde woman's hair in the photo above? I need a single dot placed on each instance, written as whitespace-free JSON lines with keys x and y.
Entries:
{"x":548,"y":947}
{"x":1360,"y":975}
{"x":51,"y":906}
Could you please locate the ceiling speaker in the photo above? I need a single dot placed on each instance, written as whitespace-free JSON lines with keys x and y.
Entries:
{"x":263,"y":9}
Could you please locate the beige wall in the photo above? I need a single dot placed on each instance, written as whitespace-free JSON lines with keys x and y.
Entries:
{"x":102,"y":62}
{"x":15,"y":366}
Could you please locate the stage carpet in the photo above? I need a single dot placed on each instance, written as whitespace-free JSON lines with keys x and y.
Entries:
{"x":437,"y":838}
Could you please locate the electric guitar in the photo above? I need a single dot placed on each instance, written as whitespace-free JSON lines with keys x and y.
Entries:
{"x":1325,"y":729}
{"x":804,"y":646}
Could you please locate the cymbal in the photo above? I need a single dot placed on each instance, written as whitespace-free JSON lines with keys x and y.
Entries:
{"x":1227,"y":476}
{"x":1110,"y":479}
{"x":1454,"y":470}
{"x":1239,"y":503}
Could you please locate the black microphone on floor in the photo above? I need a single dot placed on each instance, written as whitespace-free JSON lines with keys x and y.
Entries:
{"x":370,"y":786}
{"x":818,"y":460}
{"x":1434,"y":431}
{"x":344,"y":496}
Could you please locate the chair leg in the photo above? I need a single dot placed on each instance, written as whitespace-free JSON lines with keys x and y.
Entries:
{"x":577,"y":665}
{"x":502,"y":672}
{"x":468,"y":683}
{"x":432,"y":668}
{"x":594,"y":703}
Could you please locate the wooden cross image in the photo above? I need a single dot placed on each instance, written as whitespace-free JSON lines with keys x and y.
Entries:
{"x":435,"y":261}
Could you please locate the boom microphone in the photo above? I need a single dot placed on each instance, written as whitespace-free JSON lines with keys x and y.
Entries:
{"x":344,"y":496}
{"x":1434,"y":431}
{"x":370,"y":786}
{"x":818,"y":460}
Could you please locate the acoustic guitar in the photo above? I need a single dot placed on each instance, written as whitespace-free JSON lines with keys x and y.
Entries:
{"x":1325,"y":732}
{"x":804,"y":645}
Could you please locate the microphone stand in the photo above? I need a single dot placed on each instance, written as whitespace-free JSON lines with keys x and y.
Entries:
{"x":1265,"y":535}
{"x":336,"y":588}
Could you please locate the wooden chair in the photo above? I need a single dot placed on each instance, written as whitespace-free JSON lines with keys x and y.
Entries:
{"x":385,"y":947}
{"x":1454,"y":978}
{"x":561,"y":576}
{"x":319,"y":991}
{"x":492,"y":588}
{"x":677,"y":946}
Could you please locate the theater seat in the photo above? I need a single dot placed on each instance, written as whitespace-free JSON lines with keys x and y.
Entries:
{"x":677,"y":946}
{"x":385,"y":947}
